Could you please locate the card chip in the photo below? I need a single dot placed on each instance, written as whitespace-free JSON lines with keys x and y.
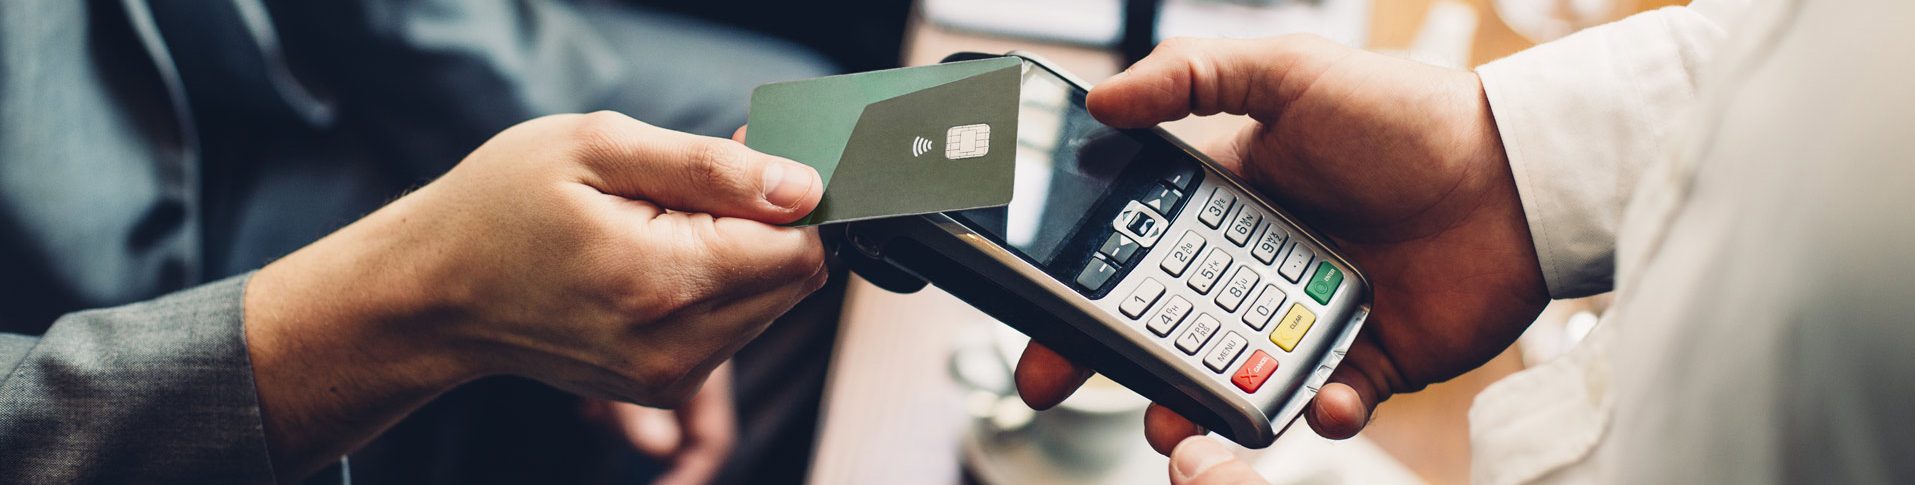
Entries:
{"x":968,"y":141}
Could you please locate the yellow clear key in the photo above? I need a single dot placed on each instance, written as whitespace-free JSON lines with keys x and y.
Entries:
{"x":1291,"y":328}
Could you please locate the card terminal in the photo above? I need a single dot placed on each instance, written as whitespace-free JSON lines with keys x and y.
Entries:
{"x":1134,"y":254}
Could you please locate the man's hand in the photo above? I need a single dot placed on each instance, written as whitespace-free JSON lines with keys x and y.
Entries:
{"x":692,"y":441}
{"x":592,"y":252}
{"x":1398,"y":162}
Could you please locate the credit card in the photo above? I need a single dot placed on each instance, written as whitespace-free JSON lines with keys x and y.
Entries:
{"x":897,"y":142}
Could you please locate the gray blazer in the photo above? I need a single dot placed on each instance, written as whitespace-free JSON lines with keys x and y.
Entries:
{"x":151,"y":147}
{"x":158,"y":391}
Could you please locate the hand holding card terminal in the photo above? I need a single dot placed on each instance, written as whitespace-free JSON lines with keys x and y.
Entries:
{"x":1131,"y":253}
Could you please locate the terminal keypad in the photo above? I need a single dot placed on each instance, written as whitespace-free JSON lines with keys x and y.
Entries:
{"x":1238,"y":303}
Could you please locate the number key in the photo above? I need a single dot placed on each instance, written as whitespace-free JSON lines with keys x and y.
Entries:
{"x":1269,"y":243}
{"x":1218,"y":207}
{"x":1142,"y":298}
{"x":1183,"y":253}
{"x":1169,"y":316}
{"x":1238,"y":289}
{"x":1243,"y":226}
{"x":1209,"y":271}
{"x":1198,"y":334}
{"x":1264,"y":307}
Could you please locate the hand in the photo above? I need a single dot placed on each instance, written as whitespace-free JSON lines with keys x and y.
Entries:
{"x":592,"y":252}
{"x":693,"y":440}
{"x":1399,"y":163}
{"x":1199,"y":460}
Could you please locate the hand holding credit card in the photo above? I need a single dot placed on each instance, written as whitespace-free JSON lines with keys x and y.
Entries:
{"x":897,"y":142}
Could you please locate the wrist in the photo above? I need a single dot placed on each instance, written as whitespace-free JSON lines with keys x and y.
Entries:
{"x":350,"y":305}
{"x":1505,"y":207}
{"x":1489,"y":148}
{"x":341,"y":349}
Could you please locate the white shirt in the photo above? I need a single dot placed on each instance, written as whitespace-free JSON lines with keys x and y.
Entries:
{"x":1743,"y":177}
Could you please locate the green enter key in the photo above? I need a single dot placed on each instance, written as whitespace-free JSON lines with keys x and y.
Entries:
{"x":1324,"y":284}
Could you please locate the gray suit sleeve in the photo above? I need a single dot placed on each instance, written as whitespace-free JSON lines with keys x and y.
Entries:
{"x":158,"y":391}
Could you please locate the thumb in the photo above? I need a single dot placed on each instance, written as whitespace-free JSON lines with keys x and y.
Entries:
{"x":691,"y":173}
{"x":1186,"y":76}
{"x":1205,"y":461}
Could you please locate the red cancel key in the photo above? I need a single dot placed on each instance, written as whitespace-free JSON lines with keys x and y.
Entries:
{"x":1254,"y":371}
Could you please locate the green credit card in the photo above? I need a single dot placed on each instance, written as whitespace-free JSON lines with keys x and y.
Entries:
{"x":897,"y":142}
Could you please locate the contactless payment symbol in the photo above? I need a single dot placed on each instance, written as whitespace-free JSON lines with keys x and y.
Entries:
{"x":920,"y":145}
{"x":968,"y":141}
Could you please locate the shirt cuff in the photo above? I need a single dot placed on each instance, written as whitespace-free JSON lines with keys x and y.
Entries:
{"x":1579,"y":118}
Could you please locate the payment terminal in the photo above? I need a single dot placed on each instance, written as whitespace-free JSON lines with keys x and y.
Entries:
{"x":1130,"y":252}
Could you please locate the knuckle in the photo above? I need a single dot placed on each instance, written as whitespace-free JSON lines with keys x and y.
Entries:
{"x":606,"y":118}
{"x":642,"y":302}
{"x":797,"y":256}
{"x":668,"y":380}
{"x":658,"y":294}
{"x":718,"y":161}
{"x":674,"y":299}
{"x":673,"y":372}
{"x":810,"y":258}
{"x":818,"y":281}
{"x":601,"y":134}
{"x":812,"y":261}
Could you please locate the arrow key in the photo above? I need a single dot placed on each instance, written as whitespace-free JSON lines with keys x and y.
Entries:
{"x":1120,"y":249}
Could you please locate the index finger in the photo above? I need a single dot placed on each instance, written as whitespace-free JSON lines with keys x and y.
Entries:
{"x":750,"y":257}
{"x":1185,"y":76}
{"x":686,"y":172}
{"x":1045,"y":378}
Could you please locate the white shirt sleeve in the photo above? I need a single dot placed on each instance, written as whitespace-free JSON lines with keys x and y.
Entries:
{"x":1581,"y":116}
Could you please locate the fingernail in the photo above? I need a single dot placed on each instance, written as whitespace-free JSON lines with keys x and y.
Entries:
{"x":786,"y":183}
{"x":1196,"y":455}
